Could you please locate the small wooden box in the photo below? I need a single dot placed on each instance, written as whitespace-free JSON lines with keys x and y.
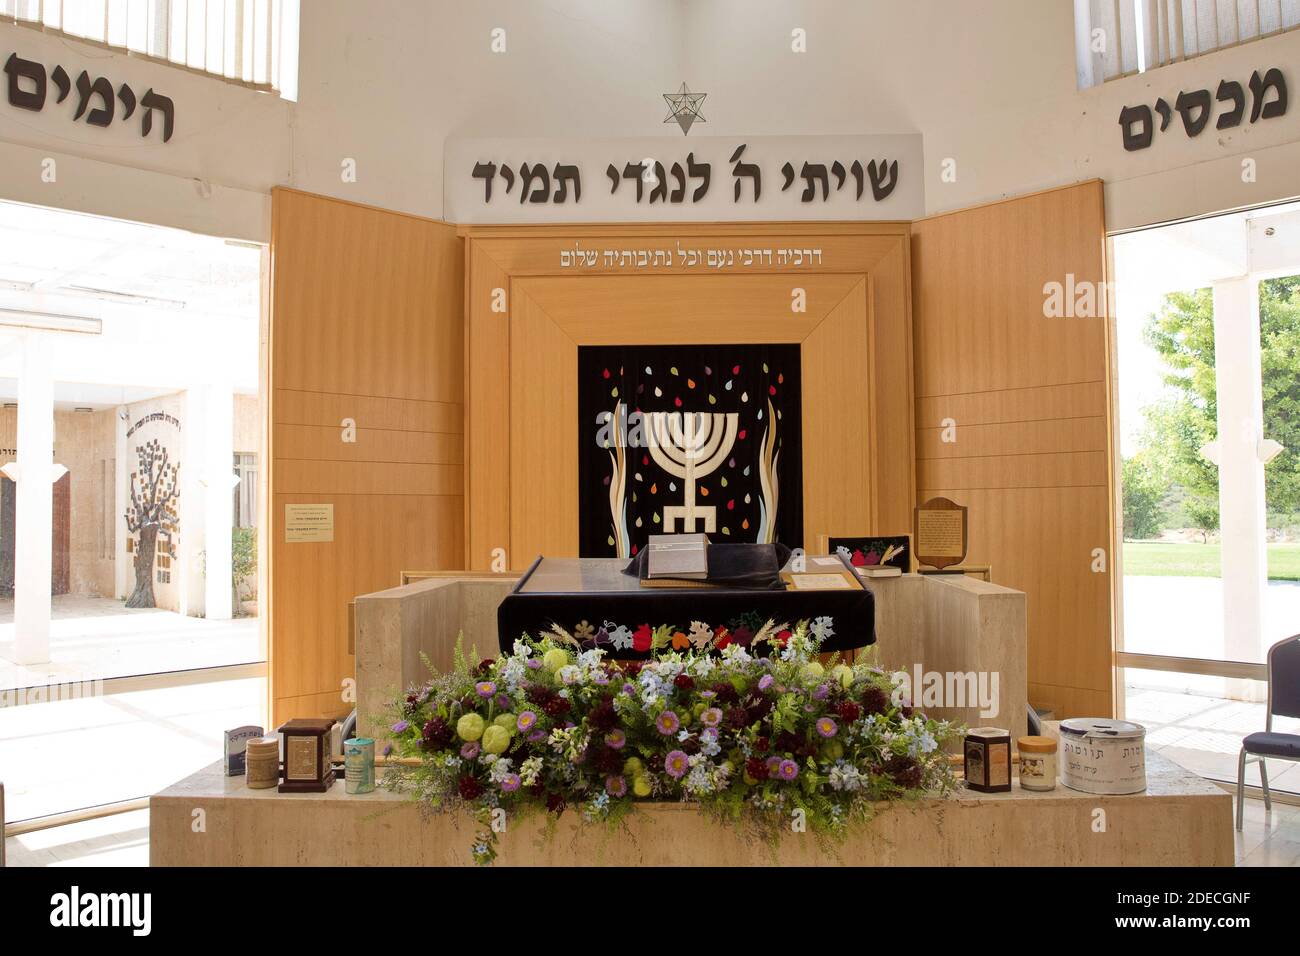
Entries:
{"x":987,"y":753}
{"x":307,"y":755}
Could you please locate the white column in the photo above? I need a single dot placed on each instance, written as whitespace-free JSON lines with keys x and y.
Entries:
{"x":190,"y":506}
{"x":123,"y":455}
{"x":33,"y":547}
{"x":218,"y":441}
{"x":1241,"y":474}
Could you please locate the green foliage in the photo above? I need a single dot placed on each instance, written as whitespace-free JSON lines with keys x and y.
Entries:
{"x":1182,"y":334}
{"x":1143,"y":492}
{"x":243,"y":560}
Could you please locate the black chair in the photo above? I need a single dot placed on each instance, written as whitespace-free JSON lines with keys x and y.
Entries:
{"x":1284,"y":701}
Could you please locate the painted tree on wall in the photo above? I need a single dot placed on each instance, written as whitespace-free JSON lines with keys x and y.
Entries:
{"x":155,"y":486}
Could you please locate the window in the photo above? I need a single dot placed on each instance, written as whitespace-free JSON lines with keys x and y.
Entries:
{"x":251,"y":42}
{"x":1116,"y":38}
{"x":246,"y":490}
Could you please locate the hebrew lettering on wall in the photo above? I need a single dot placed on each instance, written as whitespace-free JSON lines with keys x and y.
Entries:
{"x":1267,"y":98}
{"x":96,"y":102}
{"x":650,"y":181}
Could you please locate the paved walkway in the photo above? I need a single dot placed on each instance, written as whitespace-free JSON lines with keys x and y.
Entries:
{"x":93,"y":638}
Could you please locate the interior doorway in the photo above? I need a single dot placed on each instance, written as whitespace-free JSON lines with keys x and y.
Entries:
{"x":61,"y":558}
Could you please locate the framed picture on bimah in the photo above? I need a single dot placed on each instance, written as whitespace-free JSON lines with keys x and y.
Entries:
{"x":868,"y":551}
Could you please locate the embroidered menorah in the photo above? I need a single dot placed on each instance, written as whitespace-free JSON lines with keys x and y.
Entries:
{"x":691,"y":446}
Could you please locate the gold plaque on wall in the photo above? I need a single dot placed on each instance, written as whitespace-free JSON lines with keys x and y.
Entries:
{"x":308,"y":523}
{"x":940,"y":533}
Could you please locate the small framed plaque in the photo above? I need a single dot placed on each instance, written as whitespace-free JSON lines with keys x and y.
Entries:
{"x":940,"y":533}
{"x":306,"y":755}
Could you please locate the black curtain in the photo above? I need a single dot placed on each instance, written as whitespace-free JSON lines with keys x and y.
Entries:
{"x":626,"y":493}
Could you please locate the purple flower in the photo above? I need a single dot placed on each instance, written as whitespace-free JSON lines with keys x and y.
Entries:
{"x":485,"y":688}
{"x":526,"y":721}
{"x":600,"y":678}
{"x":708,"y":694}
{"x":711,"y":717}
{"x":615,"y":786}
{"x":510,"y":783}
{"x":388,"y":748}
{"x":401,"y":726}
{"x":676,"y":764}
{"x":537,"y":736}
{"x":827,"y":727}
{"x":667,"y":723}
{"x":470,"y":750}
{"x":533,"y":663}
{"x":821,"y":692}
{"x":773,"y":765}
{"x":503,"y":700}
{"x":630,"y":689}
{"x":615,"y":739}
{"x":787,"y":770}
{"x":766,"y":681}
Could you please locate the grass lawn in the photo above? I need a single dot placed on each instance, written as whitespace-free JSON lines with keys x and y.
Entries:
{"x":1201,"y":560}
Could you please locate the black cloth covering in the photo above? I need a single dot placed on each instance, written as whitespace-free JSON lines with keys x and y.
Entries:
{"x":594,"y":614}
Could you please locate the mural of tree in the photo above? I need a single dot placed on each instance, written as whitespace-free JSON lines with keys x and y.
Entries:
{"x":155,"y":486}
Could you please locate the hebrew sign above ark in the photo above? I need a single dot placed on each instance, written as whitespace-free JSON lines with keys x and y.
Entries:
{"x":97,"y":102}
{"x":1265,"y":93}
{"x":661,"y":179}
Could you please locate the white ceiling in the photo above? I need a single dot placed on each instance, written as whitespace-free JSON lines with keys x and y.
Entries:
{"x":176,"y":307}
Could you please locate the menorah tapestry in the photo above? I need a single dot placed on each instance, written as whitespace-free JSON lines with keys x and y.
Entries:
{"x":688,"y":438}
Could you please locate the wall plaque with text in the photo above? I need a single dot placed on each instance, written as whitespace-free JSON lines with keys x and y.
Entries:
{"x":940,"y":533}
{"x":308,"y":523}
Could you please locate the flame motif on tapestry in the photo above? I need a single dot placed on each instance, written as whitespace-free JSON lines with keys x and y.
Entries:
{"x":688,"y":438}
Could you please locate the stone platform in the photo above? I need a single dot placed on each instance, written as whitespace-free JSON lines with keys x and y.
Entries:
{"x":1180,"y":820}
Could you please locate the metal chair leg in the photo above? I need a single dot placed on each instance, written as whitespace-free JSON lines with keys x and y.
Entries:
{"x":1241,"y":786}
{"x":1263,"y":776}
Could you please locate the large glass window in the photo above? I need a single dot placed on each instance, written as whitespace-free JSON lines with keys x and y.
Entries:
{"x":254,"y":42}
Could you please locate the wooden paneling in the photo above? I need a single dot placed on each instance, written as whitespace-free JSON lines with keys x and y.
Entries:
{"x":366,"y":324}
{"x":522,"y":384}
{"x":1027,"y":397}
{"x":837,"y":435}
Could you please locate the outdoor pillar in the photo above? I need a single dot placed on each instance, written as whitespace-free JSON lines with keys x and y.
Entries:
{"x":34,"y":524}
{"x":190,"y":506}
{"x":123,"y":576}
{"x":218,"y":442}
{"x":1243,"y":558}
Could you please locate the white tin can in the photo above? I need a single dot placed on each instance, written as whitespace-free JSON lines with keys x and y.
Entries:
{"x":1103,"y":756}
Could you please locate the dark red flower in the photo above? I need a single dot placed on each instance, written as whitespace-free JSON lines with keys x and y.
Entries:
{"x":756,"y":767}
{"x":875,"y":701}
{"x":848,"y":711}
{"x":761,"y":744}
{"x":557,"y":706}
{"x":603,"y":716}
{"x":737,"y":717}
{"x":607,"y":760}
{"x":742,"y":635}
{"x":555,"y":803}
{"x":435,"y":733}
{"x":758,"y":709}
{"x":632,"y":668}
{"x":904,"y":770}
{"x":725,"y":692}
{"x":469,"y":788}
{"x":786,"y":742}
{"x":684,"y":681}
{"x":485,"y":665}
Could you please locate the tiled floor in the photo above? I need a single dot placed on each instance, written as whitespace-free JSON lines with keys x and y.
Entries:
{"x":94,"y":638}
{"x":1204,"y":733}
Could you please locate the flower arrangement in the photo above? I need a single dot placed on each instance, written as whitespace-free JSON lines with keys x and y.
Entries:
{"x":757,"y":735}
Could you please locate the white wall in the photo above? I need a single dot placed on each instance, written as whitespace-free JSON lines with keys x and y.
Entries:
{"x":989,"y":84}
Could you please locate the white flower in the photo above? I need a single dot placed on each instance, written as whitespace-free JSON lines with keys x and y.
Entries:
{"x":822,"y":628}
{"x":568,"y":674}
